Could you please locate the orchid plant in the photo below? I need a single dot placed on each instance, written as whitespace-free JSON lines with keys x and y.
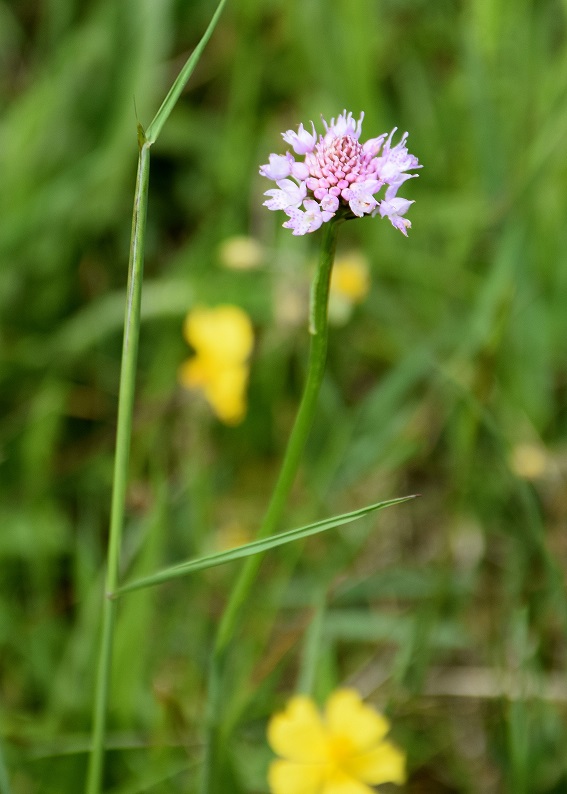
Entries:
{"x":337,"y":180}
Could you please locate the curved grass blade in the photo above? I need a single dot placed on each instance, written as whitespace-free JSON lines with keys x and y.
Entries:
{"x":174,"y":92}
{"x":255,"y":547}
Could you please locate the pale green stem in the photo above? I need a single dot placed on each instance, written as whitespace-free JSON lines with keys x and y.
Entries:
{"x":126,"y":405}
{"x":294,"y":450}
{"x":123,"y":436}
{"x":312,"y":647}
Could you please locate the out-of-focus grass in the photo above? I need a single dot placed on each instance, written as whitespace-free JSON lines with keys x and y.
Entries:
{"x":450,"y":380}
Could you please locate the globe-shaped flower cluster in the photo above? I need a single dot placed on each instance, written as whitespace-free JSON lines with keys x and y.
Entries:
{"x":339,"y":173}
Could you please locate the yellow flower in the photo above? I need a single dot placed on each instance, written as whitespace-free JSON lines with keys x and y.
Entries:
{"x":224,"y":333}
{"x":528,"y":461}
{"x":340,"y":752}
{"x":222,"y":339}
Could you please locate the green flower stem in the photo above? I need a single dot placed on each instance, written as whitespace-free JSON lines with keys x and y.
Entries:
{"x":121,"y":460}
{"x":298,"y":437}
{"x":317,"y":356}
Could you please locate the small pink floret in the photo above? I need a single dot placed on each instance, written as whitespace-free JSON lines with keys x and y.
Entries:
{"x":289,"y":195}
{"x":394,"y":210}
{"x":330,"y":203}
{"x":301,"y":141}
{"x":299,"y":171}
{"x":344,"y":125}
{"x":278,"y":168}
{"x":394,"y":161}
{"x":308,"y":221}
{"x":360,"y":196}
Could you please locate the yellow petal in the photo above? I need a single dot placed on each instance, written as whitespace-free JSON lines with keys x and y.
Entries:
{"x":346,"y":715}
{"x":350,"y":278}
{"x":226,"y":392}
{"x":193,"y":373}
{"x":297,"y":733}
{"x":384,"y":764}
{"x":341,"y":783}
{"x":286,"y":777}
{"x":224,"y":332}
{"x":223,"y":384}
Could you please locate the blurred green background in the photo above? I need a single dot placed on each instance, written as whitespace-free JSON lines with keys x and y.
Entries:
{"x":450,"y":380}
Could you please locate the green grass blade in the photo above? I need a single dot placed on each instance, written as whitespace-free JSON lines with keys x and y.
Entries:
{"x":256,"y":547}
{"x":174,"y":92}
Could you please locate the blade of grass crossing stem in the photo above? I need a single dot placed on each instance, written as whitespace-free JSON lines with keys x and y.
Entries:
{"x":255,"y":547}
{"x":174,"y":92}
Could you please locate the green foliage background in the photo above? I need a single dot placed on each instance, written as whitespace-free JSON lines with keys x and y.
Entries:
{"x":436,"y":611}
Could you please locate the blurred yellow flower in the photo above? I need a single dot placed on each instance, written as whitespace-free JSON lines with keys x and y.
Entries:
{"x":340,"y":752}
{"x":241,"y":253}
{"x":222,"y":339}
{"x":350,"y":284}
{"x":350,"y":277}
{"x":528,"y":461}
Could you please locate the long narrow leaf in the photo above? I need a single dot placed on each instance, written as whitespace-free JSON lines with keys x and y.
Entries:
{"x":174,"y":92}
{"x":255,"y":547}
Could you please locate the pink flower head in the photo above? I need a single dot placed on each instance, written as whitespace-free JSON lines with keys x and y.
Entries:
{"x":339,"y":175}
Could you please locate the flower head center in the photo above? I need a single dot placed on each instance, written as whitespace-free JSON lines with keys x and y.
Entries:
{"x":342,"y":155}
{"x":340,"y":749}
{"x":344,"y":148}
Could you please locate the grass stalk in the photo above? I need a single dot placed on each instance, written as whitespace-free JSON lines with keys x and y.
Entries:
{"x":155,"y":127}
{"x":126,"y":404}
{"x":318,"y":329}
{"x":121,"y":460}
